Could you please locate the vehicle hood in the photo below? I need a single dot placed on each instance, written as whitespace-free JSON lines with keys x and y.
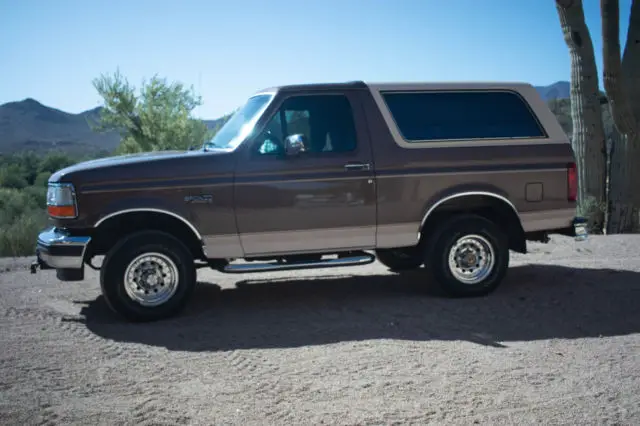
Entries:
{"x":116,"y":161}
{"x":147,"y":165}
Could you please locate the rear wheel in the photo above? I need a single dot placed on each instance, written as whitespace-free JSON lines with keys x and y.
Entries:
{"x":469,"y":256}
{"x":148,"y":276}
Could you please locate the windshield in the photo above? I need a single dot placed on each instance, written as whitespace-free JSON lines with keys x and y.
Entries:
{"x":240,"y":124}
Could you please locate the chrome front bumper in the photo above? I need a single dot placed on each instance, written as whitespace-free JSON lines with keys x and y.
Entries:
{"x":57,"y":249}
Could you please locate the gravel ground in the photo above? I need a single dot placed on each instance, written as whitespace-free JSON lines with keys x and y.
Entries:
{"x":558,"y":343}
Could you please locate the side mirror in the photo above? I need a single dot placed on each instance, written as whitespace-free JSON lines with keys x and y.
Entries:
{"x":294,"y":145}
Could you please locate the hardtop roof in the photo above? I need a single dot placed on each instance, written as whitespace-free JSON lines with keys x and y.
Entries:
{"x":398,"y":85}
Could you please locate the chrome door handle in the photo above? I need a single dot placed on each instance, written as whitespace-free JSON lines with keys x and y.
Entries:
{"x":357,"y":166}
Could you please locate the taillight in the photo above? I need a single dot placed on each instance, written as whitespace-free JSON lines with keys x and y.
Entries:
{"x":572,"y":182}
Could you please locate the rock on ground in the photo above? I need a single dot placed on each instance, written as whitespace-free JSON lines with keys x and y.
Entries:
{"x":558,"y":343}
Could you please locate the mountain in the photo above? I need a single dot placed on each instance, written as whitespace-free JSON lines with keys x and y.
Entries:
{"x":557,"y":90}
{"x":29,"y":125}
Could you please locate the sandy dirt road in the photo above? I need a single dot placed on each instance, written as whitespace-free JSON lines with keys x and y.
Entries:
{"x":558,"y":343}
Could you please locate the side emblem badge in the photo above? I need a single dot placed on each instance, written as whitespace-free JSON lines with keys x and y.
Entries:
{"x":198,"y":199}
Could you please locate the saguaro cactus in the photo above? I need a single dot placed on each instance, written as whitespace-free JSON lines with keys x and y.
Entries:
{"x":588,"y":139}
{"x":622,"y":84}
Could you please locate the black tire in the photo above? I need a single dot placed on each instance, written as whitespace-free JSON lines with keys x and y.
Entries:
{"x":400,"y":259}
{"x":441,"y":244}
{"x":170,"y":252}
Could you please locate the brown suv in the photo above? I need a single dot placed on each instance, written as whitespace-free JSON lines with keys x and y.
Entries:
{"x":451,"y":176}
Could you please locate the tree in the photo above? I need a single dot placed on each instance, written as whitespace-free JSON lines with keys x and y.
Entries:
{"x":159,"y":118}
{"x":622,"y":84}
{"x":588,"y":139}
{"x":29,"y":163}
{"x":12,"y":176}
{"x":55,"y":161}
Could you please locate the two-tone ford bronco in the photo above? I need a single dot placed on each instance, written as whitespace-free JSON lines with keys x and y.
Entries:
{"x":447,"y":177}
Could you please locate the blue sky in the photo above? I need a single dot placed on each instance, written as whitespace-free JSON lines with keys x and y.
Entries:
{"x":51,"y":50}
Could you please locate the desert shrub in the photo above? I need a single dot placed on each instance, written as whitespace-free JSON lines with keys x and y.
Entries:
{"x":14,"y":202}
{"x":37,"y":194}
{"x":55,"y":161}
{"x":23,"y":196}
{"x":42,"y":179}
{"x":12,"y":176}
{"x":22,"y":216}
{"x":20,"y":238}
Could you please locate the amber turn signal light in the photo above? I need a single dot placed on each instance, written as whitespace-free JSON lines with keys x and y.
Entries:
{"x":61,"y":211}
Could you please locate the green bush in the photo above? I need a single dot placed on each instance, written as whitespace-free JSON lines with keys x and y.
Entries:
{"x":23,"y":197}
{"x":56,"y":161}
{"x":20,"y":238}
{"x":42,"y":179}
{"x":22,"y":216}
{"x":38,"y":195}
{"x":12,"y":176}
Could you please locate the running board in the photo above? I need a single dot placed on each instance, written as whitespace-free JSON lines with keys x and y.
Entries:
{"x":245,"y":268}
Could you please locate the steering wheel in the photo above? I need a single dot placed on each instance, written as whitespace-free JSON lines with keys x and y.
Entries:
{"x":269,"y":136}
{"x":273,"y":137}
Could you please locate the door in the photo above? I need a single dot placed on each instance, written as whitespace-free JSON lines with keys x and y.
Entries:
{"x":324,"y":198}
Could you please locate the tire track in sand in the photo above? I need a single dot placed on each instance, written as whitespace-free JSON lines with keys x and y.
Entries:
{"x":47,"y":416}
{"x":60,"y":315}
{"x":263,"y":378}
{"x":154,"y":411}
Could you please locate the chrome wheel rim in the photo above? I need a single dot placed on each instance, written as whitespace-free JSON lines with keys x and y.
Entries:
{"x":151,"y":279}
{"x":471,"y":259}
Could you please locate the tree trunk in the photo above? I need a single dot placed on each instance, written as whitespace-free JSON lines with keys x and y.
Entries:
{"x":622,"y":215}
{"x":631,"y":71}
{"x":631,"y":58}
{"x":619,"y":77}
{"x":588,"y":139}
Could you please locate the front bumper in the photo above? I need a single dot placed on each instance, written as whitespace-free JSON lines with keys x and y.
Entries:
{"x":57,"y":249}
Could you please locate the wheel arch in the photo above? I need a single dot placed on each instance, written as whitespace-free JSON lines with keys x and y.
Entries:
{"x":490,"y":204}
{"x":113,"y":226}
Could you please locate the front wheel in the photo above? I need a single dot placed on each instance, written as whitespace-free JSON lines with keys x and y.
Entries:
{"x":469,"y":256}
{"x":148,"y":276}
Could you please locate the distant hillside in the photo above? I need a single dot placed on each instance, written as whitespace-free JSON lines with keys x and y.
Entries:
{"x":29,"y":125}
{"x":557,"y":90}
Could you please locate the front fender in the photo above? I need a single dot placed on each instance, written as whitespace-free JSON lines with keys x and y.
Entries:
{"x":131,"y":204}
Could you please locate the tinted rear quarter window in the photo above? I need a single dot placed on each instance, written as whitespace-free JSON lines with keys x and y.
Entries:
{"x":424,"y":116}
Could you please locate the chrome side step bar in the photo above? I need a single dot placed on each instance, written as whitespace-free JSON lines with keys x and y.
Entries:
{"x":353,"y":260}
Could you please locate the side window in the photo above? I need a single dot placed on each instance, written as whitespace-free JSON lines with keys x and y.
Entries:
{"x":462,"y":115}
{"x":269,"y":141}
{"x":325,"y":121}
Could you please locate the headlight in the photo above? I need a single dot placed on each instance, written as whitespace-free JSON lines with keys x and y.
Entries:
{"x":61,"y":201}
